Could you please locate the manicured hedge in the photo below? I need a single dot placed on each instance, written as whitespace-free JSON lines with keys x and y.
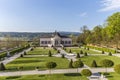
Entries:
{"x":2,"y":55}
{"x":102,"y":49}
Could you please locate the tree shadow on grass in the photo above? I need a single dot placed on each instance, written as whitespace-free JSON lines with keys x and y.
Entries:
{"x":41,"y":76}
{"x":13,"y":77}
{"x":72,"y":74}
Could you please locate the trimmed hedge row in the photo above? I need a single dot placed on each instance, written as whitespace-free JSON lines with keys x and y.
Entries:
{"x":2,"y":55}
{"x":102,"y":49}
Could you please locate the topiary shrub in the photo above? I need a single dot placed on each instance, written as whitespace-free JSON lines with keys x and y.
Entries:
{"x":70,"y":51}
{"x":78,"y":64}
{"x":58,"y":51}
{"x":25,"y":53}
{"x":2,"y":67}
{"x":110,"y":54}
{"x":21,"y":55}
{"x":103,"y":52}
{"x":49,"y":54}
{"x":78,"y":55}
{"x":70,"y":64}
{"x":86,"y":72}
{"x":63,"y":56}
{"x":117,"y":68}
{"x":81,"y":52}
{"x":85,"y":54}
{"x":32,"y":49}
{"x":51,"y":65}
{"x":94,"y":64}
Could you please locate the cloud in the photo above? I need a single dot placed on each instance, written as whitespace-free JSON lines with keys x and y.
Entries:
{"x":84,"y":14}
{"x":109,"y":5}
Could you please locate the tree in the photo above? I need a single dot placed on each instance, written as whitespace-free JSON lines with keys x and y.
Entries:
{"x":94,"y":64}
{"x":106,"y":63}
{"x":50,"y":65}
{"x":85,"y":54}
{"x":63,"y":56}
{"x":49,"y":54}
{"x":86,"y":72}
{"x":78,"y":64}
{"x":78,"y":55}
{"x":117,"y":68}
{"x":110,"y":54}
{"x":70,"y":64}
{"x":81,"y":52}
{"x":2,"y":67}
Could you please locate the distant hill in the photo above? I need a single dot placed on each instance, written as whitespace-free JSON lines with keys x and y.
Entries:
{"x":31,"y":35}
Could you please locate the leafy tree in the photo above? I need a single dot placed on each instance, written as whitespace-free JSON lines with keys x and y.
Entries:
{"x":86,"y":72}
{"x":106,"y":63}
{"x":2,"y":67}
{"x":117,"y":68}
{"x":70,"y":64}
{"x":49,"y":54}
{"x":50,"y":65}
{"x":78,"y":64}
{"x":94,"y":64}
{"x":58,"y":51}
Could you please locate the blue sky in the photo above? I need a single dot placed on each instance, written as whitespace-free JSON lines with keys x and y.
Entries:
{"x":51,"y":15}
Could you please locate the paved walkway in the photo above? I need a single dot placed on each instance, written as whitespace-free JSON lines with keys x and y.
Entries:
{"x":7,"y":60}
{"x":57,"y":71}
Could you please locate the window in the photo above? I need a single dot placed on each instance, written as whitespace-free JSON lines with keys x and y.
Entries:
{"x":65,"y":42}
{"x":45,"y":42}
{"x":49,"y":42}
{"x":69,"y":42}
{"x":42,"y":42}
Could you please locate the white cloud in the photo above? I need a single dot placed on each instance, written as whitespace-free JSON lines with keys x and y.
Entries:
{"x":109,"y":5}
{"x":84,"y":14}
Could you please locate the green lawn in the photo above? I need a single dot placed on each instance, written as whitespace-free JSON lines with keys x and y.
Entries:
{"x":29,"y":63}
{"x":41,"y":51}
{"x":70,"y":76}
{"x":77,"y":50}
{"x":113,"y":76}
{"x":88,"y":59}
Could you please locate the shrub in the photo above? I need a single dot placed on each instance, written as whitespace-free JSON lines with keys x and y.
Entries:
{"x":25,"y":53}
{"x":2,"y":67}
{"x":88,"y":48}
{"x":32,"y":49}
{"x":86,"y":72}
{"x":85,"y":54}
{"x":58,"y":51}
{"x":117,"y":68}
{"x":78,"y":64}
{"x":70,"y":51}
{"x":94,"y":64}
{"x":51,"y":65}
{"x":70,"y":64}
{"x":78,"y":55}
{"x":110,"y":54}
{"x":63,"y":56}
{"x":49,"y":54}
{"x":103,"y":52}
{"x":21,"y":55}
{"x":107,"y":63}
{"x":81,"y":52}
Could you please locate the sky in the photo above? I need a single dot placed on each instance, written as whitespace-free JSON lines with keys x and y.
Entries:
{"x":51,"y":15}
